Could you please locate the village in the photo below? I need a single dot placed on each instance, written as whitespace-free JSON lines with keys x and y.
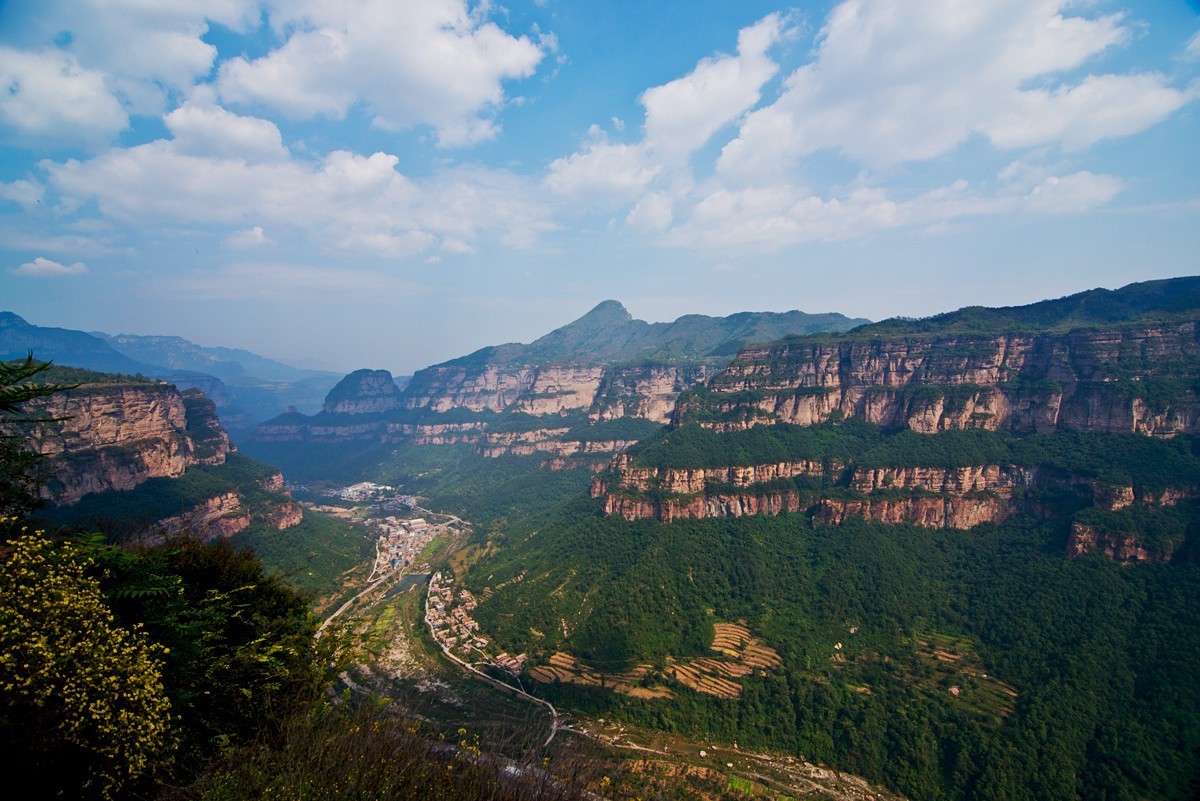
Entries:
{"x":448,"y":614}
{"x":399,"y":543}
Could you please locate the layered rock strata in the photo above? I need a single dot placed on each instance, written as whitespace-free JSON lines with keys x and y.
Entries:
{"x":1125,"y":379}
{"x":959,"y":497}
{"x":116,"y":436}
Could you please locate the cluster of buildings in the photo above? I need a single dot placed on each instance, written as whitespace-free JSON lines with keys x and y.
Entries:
{"x":449,"y":614}
{"x":400,"y":541}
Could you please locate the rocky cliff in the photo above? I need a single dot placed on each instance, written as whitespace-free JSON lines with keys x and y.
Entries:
{"x":1122,"y":379}
{"x":1104,"y":363}
{"x":363,"y":392}
{"x":603,"y":367}
{"x":605,"y":363}
{"x":115,"y":436}
{"x":831,"y":491}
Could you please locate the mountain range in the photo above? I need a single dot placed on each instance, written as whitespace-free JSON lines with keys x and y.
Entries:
{"x":246,"y":387}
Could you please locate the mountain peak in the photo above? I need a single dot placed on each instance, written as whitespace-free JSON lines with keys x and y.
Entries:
{"x":609,"y":312}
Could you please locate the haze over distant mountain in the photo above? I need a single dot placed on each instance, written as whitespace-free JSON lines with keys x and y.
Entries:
{"x":247,"y":388}
{"x":231,"y":365}
{"x":583,"y":390}
{"x":608,"y":334}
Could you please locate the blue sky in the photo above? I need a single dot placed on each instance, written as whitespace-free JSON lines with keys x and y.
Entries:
{"x":390,"y":183}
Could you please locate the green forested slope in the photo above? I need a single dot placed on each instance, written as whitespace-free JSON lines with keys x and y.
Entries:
{"x":1098,"y":654}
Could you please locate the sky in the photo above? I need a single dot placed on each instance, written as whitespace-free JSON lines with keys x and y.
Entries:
{"x":392,"y":183}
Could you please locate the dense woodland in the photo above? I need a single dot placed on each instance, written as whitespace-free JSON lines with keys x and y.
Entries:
{"x":1101,"y":656}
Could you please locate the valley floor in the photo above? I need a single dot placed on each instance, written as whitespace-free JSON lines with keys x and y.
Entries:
{"x":477,"y":698}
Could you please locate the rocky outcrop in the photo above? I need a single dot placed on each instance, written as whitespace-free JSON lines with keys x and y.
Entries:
{"x":363,"y":392}
{"x":929,"y":511}
{"x":687,"y":481}
{"x":1120,"y":546}
{"x":958,"y":497}
{"x":648,"y":392}
{"x":1124,"y":379}
{"x":116,"y":436}
{"x":218,"y":517}
{"x":554,"y":446}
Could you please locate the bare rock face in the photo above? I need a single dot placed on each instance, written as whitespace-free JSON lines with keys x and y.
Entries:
{"x":933,"y":497}
{"x":363,"y":392}
{"x":115,"y":436}
{"x":646,"y":392}
{"x":1120,"y":546}
{"x":218,"y":517}
{"x":1099,"y":380}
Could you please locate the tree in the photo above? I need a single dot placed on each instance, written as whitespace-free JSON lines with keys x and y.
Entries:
{"x":83,"y":711}
{"x":18,"y":465}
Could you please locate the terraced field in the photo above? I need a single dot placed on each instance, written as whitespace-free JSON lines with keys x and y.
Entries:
{"x":740,"y":654}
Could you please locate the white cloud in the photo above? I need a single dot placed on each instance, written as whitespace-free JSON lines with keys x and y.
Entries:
{"x":226,"y":170}
{"x":1192,"y":51}
{"x":45,"y":268}
{"x":603,"y":170}
{"x":23,"y":193}
{"x":684,"y":114}
{"x":896,"y":82}
{"x":201,"y":128}
{"x":1098,"y":107}
{"x":100,"y":60}
{"x":412,"y":63}
{"x":765,"y":219}
{"x":1073,"y":193}
{"x":681,"y":116}
{"x":248,"y":239}
{"x":889,"y":83}
{"x":653,"y":212}
{"x":47,"y":97}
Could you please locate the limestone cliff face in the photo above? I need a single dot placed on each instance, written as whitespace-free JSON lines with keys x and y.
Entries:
{"x":1120,"y":546}
{"x":646,"y":392}
{"x":216,"y":518}
{"x":115,"y":436}
{"x":524,"y":388}
{"x":1100,"y":380}
{"x":688,"y":481}
{"x":959,"y":497}
{"x":604,"y":392}
{"x":363,"y":392}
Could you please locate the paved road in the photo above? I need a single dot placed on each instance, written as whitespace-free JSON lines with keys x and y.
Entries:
{"x":496,"y":682}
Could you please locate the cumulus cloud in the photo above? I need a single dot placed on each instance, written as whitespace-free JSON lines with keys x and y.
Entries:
{"x":23,"y":193}
{"x":411,"y":63}
{"x":765,"y":219}
{"x":201,"y":128}
{"x":74,"y":71}
{"x":600,"y":168}
{"x":227,"y":170}
{"x":889,"y":83}
{"x":1192,"y":51}
{"x":47,"y":97}
{"x":248,"y":239}
{"x":42,"y":267}
{"x":895,"y":82}
{"x":681,"y":117}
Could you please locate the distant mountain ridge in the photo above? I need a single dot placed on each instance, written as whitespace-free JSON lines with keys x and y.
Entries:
{"x":609,"y":334}
{"x":231,"y":365}
{"x":606,"y":363}
{"x":588,"y":388}
{"x":248,"y":388}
